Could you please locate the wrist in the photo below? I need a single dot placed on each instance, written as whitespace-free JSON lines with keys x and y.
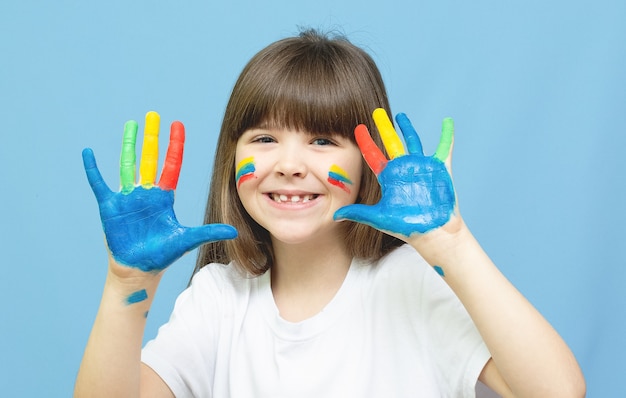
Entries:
{"x":129,"y":287}
{"x":446,"y":245}
{"x":129,"y":274}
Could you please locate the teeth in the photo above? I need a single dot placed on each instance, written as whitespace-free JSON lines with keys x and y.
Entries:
{"x":293,"y":199}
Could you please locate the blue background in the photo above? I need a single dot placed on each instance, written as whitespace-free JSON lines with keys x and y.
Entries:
{"x":537,"y":90}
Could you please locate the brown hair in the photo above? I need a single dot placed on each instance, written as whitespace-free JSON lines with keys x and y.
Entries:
{"x":312,"y":83}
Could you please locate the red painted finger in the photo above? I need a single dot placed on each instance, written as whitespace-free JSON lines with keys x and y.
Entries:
{"x":174,"y":157}
{"x":374,"y":157}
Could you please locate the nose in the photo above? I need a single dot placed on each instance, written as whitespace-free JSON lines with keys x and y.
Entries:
{"x":291,"y":163}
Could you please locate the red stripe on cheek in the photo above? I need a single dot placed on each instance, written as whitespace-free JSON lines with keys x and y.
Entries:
{"x":244,"y":178}
{"x":339,"y":184}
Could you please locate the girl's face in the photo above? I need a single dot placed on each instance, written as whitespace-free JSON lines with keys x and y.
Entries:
{"x":291,"y":183}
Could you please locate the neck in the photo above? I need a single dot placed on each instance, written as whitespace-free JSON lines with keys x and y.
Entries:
{"x":306,"y":277}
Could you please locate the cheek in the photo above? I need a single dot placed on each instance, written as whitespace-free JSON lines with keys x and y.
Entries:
{"x":341,"y":178}
{"x":245,"y":170}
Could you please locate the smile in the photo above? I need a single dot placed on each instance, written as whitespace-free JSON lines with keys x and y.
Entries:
{"x":282,"y":198}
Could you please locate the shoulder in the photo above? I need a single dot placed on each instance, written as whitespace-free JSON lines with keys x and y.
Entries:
{"x":402,"y":262}
{"x":220,"y":274}
{"x":403,"y":254}
{"x":218,"y":285}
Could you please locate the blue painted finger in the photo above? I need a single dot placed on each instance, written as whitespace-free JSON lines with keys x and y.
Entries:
{"x":412,"y":140}
{"x":197,"y":236}
{"x":364,"y":214}
{"x":98,"y":186}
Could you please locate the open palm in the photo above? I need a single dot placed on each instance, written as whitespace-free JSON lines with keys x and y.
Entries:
{"x":417,"y":191}
{"x":139,"y":223}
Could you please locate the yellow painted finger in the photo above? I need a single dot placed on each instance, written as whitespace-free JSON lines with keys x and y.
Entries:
{"x":149,"y":150}
{"x":388,"y":134}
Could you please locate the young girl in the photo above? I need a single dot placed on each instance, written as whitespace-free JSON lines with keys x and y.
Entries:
{"x":330,"y":286}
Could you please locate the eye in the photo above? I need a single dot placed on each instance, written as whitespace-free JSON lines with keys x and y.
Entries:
{"x":264,"y":139}
{"x":323,"y":141}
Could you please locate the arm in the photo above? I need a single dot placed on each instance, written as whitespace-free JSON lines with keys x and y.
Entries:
{"x":419,"y":206}
{"x":143,"y":238}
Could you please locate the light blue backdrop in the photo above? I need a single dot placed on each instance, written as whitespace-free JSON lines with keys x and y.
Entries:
{"x":537,"y":90}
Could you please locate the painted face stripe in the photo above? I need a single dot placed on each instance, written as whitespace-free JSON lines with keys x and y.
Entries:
{"x":339,"y":184}
{"x":339,"y":174}
{"x":245,"y":170}
{"x":244,"y":178}
{"x":338,"y":177}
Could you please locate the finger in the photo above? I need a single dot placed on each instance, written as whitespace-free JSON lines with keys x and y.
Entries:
{"x":374,"y":157}
{"x":194,"y":237}
{"x":446,"y":140}
{"x":413,"y":143}
{"x":360,"y":213}
{"x":388,"y":134}
{"x":128,"y":158}
{"x":98,"y":186}
{"x":174,"y":157}
{"x":149,"y":150}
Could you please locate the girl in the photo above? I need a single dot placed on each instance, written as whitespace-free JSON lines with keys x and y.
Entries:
{"x":398,"y":299}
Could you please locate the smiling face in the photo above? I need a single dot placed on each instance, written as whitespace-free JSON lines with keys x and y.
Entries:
{"x":314,"y":83}
{"x":292,"y":191}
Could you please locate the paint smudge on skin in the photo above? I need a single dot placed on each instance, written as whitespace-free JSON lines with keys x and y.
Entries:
{"x":137,"y":297}
{"x":339,"y":178}
{"x":245,"y":170}
{"x":439,"y":270}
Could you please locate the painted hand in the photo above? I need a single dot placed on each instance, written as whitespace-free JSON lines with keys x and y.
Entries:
{"x":417,"y":191}
{"x":139,"y":222}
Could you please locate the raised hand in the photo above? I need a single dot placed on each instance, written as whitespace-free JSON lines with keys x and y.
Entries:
{"x":139,"y":222}
{"x":417,"y":191}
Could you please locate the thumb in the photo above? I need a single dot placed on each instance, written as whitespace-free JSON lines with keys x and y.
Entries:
{"x":197,"y":236}
{"x":364,"y":214}
{"x":98,"y":186}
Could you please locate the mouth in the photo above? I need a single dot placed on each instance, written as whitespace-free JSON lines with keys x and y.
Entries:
{"x":283,"y":198}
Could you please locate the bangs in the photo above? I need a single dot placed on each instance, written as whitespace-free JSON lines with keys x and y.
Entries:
{"x":318,"y":90}
{"x":311,"y":98}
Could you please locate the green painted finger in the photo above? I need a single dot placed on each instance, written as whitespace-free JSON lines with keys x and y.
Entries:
{"x":445,"y":142}
{"x":128,"y":158}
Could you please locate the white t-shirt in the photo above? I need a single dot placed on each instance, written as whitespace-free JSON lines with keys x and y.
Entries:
{"x":394,"y":329}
